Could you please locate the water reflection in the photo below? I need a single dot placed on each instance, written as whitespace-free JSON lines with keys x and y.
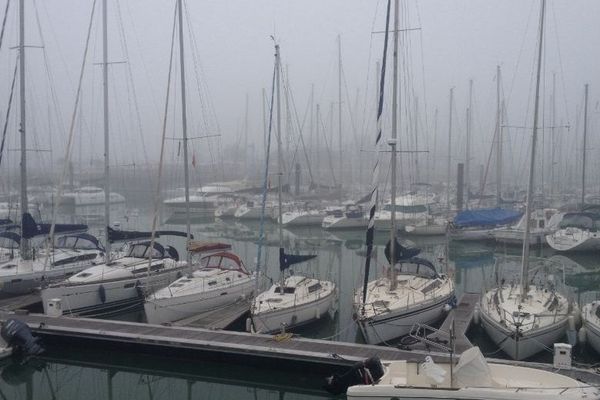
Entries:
{"x":89,"y":374}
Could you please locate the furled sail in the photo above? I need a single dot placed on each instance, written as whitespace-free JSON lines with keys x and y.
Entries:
{"x":287,"y":260}
{"x":31,"y":229}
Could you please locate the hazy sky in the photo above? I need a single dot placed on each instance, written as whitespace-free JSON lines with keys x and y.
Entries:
{"x":458,"y":40}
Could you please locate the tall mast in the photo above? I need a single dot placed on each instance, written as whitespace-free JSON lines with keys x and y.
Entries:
{"x":498,"y":140}
{"x":279,"y":156}
{"x":339,"y":40}
{"x":553,"y":137}
{"x":468,"y":143}
{"x":106,"y":127}
{"x":525,"y":261}
{"x":24,"y":201}
{"x":184,"y":128}
{"x":585,"y":124}
{"x":393,"y":142}
{"x":449,"y":150}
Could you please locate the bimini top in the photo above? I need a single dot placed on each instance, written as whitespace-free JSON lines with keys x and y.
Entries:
{"x":204,"y":247}
{"x":417,"y":266}
{"x":81,"y":241}
{"x":142,"y":250}
{"x":224,"y":260}
{"x":486,"y":217}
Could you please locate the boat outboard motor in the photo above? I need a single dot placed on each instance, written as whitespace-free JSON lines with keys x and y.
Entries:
{"x":18,"y":336}
{"x":362,"y":373}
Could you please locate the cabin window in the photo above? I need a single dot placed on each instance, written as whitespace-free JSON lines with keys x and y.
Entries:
{"x":129,"y":285}
{"x":314,"y":288}
{"x":286,"y":290}
{"x":83,"y":275}
{"x":542,"y":223}
{"x":212,"y":283}
{"x":9,"y":266}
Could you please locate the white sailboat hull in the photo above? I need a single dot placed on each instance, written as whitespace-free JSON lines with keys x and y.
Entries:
{"x":168,"y":309}
{"x":87,"y":298}
{"x":515,"y":237}
{"x":302,"y":219}
{"x":531,"y":342}
{"x":574,"y":239}
{"x":398,"y":323}
{"x":330,"y":222}
{"x":300,"y":314}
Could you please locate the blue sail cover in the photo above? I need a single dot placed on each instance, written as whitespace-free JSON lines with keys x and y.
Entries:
{"x":31,"y":229}
{"x":287,"y":260}
{"x":486,"y":217}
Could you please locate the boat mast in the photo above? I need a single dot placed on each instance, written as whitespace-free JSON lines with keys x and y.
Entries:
{"x":339,"y":40}
{"x":525,"y":261}
{"x":449,"y":150}
{"x":24,"y":201}
{"x":106,"y":127}
{"x":279,"y":158}
{"x":186,"y":172}
{"x":498,"y":140}
{"x":392,"y":143}
{"x":553,"y":138}
{"x":468,"y":144}
{"x":585,"y":124}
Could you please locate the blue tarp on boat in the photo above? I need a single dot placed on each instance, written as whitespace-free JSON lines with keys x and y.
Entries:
{"x":486,"y":217}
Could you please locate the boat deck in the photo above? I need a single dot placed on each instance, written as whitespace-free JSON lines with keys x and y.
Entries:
{"x":461,"y":317}
{"x":220,"y":318}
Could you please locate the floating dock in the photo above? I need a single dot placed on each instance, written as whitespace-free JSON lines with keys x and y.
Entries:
{"x":252,"y":349}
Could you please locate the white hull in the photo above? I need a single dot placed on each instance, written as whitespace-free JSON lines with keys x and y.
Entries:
{"x":398,"y":323}
{"x":175,"y":308}
{"x":592,"y":326}
{"x":531,"y":342}
{"x":302,"y":219}
{"x":25,"y":282}
{"x":332,"y":223}
{"x":574,"y":239}
{"x":425,"y":230}
{"x":471,"y":235}
{"x":515,"y":237}
{"x":85,"y":299}
{"x":301,"y":314}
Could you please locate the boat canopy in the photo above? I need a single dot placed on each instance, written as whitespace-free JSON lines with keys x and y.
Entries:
{"x":402,"y":252}
{"x":5,"y":221}
{"x":223,"y":260}
{"x":203,"y":247}
{"x":486,"y":217}
{"x":417,"y":266}
{"x":81,"y":241}
{"x":31,"y":229}
{"x":10,"y":240}
{"x":142,"y":250}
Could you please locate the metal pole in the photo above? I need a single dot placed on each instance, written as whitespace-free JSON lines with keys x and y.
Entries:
{"x":525,"y":261}
{"x":341,"y":163}
{"x":106,"y":126}
{"x":279,"y":158}
{"x":184,"y":130}
{"x":24,"y":201}
{"x":392,"y":142}
{"x":585,"y":124}
{"x":498,"y":141}
{"x":468,"y":144}
{"x":449,"y":150}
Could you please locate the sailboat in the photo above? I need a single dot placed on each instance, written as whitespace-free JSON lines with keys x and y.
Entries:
{"x":31,"y":267}
{"x":523,"y":319}
{"x":123,"y":282}
{"x":578,"y":231}
{"x":294,"y":300}
{"x":411,"y":291}
{"x":221,"y":278}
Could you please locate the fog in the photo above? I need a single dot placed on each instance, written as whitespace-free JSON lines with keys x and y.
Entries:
{"x":229,"y":58}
